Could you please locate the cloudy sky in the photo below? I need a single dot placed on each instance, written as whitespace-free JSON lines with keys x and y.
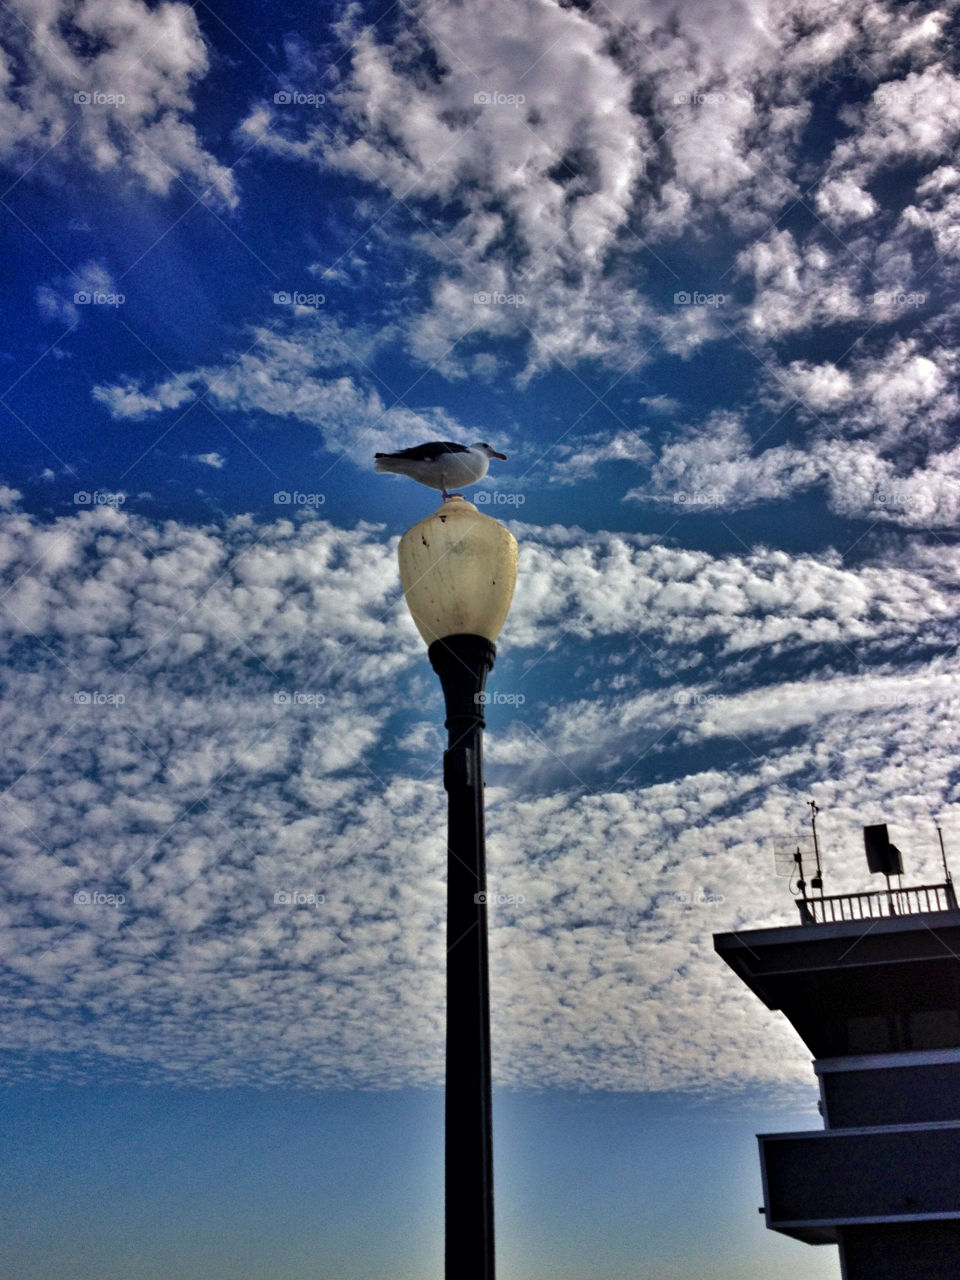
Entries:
{"x":693,"y":268}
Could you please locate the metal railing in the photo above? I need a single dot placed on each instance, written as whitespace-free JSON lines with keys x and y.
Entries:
{"x":876,"y":903}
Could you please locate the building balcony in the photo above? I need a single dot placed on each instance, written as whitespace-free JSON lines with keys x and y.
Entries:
{"x":820,"y":1181}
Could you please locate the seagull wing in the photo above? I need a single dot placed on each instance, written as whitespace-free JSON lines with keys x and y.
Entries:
{"x":427,"y":452}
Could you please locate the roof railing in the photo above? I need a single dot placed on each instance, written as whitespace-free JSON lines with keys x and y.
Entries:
{"x":877,"y":903}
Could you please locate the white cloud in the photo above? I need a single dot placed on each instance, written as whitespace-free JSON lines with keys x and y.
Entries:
{"x":543,"y":179}
{"x":268,"y":671}
{"x":588,"y":586}
{"x":796,"y":289}
{"x":715,"y":468}
{"x":548,"y":154}
{"x":938,"y":210}
{"x":283,"y":895}
{"x":293,"y":375}
{"x":896,"y":389}
{"x":843,"y":200}
{"x":579,"y":461}
{"x":915,"y":118}
{"x":91,"y":285}
{"x":108,"y":82}
{"x":878,"y":434}
{"x":821,"y":387}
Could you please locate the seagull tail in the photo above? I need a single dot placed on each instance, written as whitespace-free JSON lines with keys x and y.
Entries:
{"x":383,"y":462}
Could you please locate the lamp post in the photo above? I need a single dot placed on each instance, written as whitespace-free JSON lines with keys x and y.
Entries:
{"x":458,"y":569}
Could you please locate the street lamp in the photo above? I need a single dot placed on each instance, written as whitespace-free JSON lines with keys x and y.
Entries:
{"x":458,"y":570}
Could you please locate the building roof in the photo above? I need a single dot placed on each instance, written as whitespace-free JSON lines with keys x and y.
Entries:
{"x":852,"y":986}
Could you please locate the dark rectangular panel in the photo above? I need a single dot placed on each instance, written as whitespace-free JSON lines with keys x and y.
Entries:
{"x":892,"y":1095}
{"x":882,"y":856}
{"x":852,"y":1175}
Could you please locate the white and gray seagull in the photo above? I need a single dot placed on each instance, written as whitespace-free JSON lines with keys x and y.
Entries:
{"x":440,"y":464}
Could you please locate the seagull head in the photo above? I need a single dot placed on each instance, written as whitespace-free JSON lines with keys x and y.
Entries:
{"x":491,"y":453}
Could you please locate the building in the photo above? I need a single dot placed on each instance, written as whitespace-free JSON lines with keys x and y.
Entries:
{"x":871,"y":983}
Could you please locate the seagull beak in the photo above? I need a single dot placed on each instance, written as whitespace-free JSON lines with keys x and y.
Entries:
{"x":494,"y":454}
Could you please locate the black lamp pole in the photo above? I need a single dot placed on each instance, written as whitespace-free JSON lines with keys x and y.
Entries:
{"x":462,"y":662}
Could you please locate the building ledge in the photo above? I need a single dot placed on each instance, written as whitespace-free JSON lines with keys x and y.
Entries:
{"x":879,"y":926}
{"x":818,"y":1180}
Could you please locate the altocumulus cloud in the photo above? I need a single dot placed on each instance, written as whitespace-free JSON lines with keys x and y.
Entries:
{"x":216,"y":863}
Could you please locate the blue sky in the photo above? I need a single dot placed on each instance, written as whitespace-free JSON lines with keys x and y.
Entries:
{"x":693,"y":268}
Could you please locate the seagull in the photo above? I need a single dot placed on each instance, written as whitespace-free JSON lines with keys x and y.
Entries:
{"x":440,"y":463}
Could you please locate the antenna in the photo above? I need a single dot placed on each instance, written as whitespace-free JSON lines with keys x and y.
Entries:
{"x":951,"y":895}
{"x":817,"y":881}
{"x":788,"y":852}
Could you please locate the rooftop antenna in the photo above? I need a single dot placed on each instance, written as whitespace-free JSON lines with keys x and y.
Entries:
{"x":951,"y":895}
{"x":788,"y":859}
{"x":817,"y":881}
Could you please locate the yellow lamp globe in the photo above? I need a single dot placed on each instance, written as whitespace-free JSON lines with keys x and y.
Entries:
{"x":458,"y":569}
